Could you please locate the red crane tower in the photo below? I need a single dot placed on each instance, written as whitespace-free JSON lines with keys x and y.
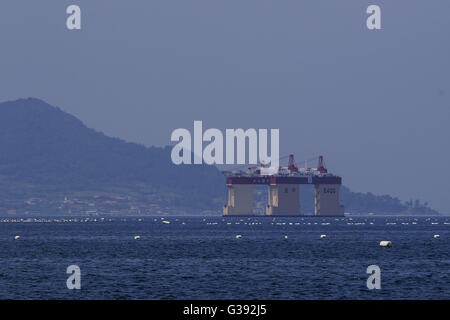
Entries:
{"x":321,"y":166}
{"x":292,"y":166}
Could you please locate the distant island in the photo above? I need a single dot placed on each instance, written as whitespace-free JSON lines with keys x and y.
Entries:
{"x":52,"y":164}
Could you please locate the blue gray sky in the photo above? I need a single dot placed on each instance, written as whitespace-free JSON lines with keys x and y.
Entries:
{"x":374,"y":103}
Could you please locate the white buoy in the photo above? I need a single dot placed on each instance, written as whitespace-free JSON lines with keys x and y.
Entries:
{"x":385,"y":244}
{"x":16,"y":237}
{"x":285,"y":237}
{"x":239,"y":236}
{"x":137,"y":237}
{"x":323,"y":236}
{"x":436,"y":236}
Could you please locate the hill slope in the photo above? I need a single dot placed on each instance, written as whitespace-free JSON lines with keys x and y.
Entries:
{"x":43,"y":147}
{"x":51,"y":163}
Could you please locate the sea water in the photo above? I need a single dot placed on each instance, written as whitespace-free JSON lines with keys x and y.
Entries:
{"x":201,"y":257}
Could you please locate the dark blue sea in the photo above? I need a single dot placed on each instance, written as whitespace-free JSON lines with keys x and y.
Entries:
{"x":201,"y":258}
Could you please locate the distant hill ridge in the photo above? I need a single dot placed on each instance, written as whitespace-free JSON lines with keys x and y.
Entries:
{"x":48,"y":153}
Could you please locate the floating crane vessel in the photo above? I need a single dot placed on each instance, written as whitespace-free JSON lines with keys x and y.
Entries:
{"x":283,"y":190}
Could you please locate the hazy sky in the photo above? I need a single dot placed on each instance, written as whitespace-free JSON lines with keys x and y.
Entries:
{"x":374,"y":103}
